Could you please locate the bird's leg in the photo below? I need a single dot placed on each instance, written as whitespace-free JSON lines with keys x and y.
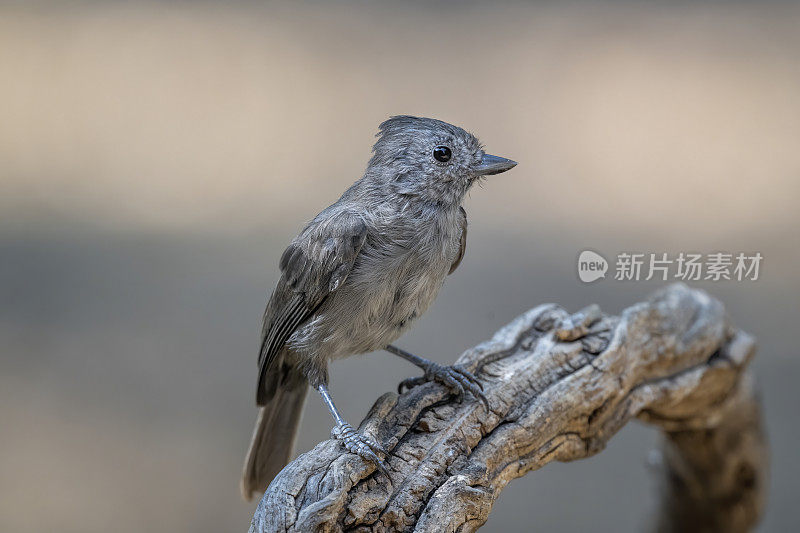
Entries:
{"x":456,"y":378}
{"x":358,"y":443}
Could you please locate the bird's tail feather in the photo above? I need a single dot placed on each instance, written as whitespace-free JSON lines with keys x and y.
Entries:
{"x":273,"y":438}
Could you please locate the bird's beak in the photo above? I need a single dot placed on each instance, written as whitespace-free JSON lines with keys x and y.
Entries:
{"x":491,"y":164}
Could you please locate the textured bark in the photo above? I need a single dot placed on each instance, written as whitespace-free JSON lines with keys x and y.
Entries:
{"x":559,"y":386}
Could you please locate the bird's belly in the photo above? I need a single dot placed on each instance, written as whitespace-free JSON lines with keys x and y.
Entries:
{"x":375,"y":308}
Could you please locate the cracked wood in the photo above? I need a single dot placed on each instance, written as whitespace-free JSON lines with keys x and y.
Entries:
{"x":559,"y":387}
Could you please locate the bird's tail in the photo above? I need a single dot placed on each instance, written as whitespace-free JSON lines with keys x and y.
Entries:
{"x":273,"y":437}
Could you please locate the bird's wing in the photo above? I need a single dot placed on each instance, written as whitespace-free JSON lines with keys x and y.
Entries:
{"x":314,"y":265}
{"x":463,"y":244}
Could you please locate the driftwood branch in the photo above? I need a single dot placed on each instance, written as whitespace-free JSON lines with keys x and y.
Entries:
{"x":560,"y":386}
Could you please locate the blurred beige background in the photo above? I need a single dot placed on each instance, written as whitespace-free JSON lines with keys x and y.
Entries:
{"x":156,"y":158}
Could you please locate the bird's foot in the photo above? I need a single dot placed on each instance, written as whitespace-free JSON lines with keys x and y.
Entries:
{"x":360,"y":444}
{"x":456,"y":378}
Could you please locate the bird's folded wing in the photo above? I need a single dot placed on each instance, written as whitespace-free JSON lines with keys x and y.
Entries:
{"x":463,"y":242}
{"x":314,"y":265}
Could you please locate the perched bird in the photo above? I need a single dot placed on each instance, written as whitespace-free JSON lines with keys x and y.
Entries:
{"x":359,"y":275}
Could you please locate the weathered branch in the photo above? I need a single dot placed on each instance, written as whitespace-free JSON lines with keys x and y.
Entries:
{"x":560,"y":386}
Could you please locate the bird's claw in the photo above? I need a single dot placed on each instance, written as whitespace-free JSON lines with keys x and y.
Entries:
{"x":456,"y":378}
{"x":360,"y":444}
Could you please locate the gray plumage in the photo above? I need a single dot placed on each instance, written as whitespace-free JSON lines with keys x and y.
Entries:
{"x":360,"y":273}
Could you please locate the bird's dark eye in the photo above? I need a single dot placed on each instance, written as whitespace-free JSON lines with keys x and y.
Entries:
{"x":442,"y":153}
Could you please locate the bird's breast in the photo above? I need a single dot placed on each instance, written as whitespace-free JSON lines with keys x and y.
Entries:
{"x":393,"y":282}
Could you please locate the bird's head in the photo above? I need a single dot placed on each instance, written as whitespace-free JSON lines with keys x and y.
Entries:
{"x":430,"y":160}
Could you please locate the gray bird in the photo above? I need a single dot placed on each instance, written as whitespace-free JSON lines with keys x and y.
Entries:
{"x":359,"y":275}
